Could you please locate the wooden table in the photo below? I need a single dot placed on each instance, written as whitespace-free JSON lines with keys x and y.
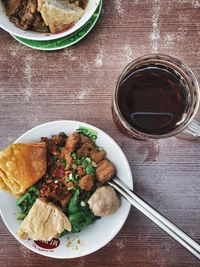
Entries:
{"x":76,"y":83}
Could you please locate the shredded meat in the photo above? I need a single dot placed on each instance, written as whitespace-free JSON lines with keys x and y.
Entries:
{"x":81,"y":171}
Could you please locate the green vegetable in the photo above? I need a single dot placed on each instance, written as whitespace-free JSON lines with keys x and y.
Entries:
{"x":79,"y":212}
{"x":81,"y":219}
{"x":21,"y":215}
{"x":26,"y":201}
{"x":35,"y":190}
{"x":74,"y":202}
{"x":22,"y":198}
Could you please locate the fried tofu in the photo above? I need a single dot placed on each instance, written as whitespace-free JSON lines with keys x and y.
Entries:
{"x":43,"y":222}
{"x":59,"y":15}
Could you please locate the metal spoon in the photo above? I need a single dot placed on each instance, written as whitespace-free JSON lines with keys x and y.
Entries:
{"x":157,"y":218}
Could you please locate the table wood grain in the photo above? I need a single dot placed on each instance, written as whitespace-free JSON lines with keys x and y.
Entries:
{"x":77,"y":83}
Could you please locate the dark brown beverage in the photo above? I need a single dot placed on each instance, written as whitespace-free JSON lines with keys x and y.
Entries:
{"x":152,"y":99}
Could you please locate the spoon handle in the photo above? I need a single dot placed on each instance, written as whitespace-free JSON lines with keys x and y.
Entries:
{"x":157,"y":218}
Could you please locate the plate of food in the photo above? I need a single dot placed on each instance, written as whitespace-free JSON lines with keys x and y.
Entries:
{"x":45,"y":20}
{"x":54,"y":196}
{"x":65,"y":41}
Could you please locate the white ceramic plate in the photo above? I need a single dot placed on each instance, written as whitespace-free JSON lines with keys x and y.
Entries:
{"x":31,"y":35}
{"x":94,"y":236}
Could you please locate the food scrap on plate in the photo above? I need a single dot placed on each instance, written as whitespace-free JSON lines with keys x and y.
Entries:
{"x":65,"y":182}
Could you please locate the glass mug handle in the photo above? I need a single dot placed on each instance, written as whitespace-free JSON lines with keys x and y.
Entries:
{"x":192,"y":132}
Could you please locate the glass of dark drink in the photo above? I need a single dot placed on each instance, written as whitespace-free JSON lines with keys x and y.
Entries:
{"x":156,"y":96}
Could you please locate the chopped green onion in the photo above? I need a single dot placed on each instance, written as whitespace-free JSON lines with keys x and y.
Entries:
{"x":75,"y":178}
{"x":73,"y":155}
{"x":55,"y":157}
{"x":82,"y":159}
{"x":90,"y":170}
{"x":86,"y":162}
{"x":93,"y":164}
{"x":78,"y":162}
{"x":101,"y":148}
{"x":83,"y":204}
{"x":63,"y":161}
{"x":60,"y":149}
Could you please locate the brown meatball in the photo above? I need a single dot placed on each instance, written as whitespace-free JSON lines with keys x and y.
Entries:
{"x":104,"y":201}
{"x":97,"y":155}
{"x":81,"y":171}
{"x":72,"y":142}
{"x":87,"y":182}
{"x":105,"y":171}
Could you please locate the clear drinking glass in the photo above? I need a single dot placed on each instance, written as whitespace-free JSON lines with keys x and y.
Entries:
{"x":187,"y":126}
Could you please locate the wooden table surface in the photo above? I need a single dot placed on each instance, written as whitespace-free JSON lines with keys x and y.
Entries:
{"x":77,"y":83}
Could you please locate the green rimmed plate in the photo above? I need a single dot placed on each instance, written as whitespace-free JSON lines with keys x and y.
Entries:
{"x":65,"y":41}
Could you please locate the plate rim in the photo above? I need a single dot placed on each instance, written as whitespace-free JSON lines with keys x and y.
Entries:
{"x":131,"y":186}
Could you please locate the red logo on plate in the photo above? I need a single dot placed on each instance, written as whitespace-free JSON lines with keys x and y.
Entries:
{"x":54,"y":243}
